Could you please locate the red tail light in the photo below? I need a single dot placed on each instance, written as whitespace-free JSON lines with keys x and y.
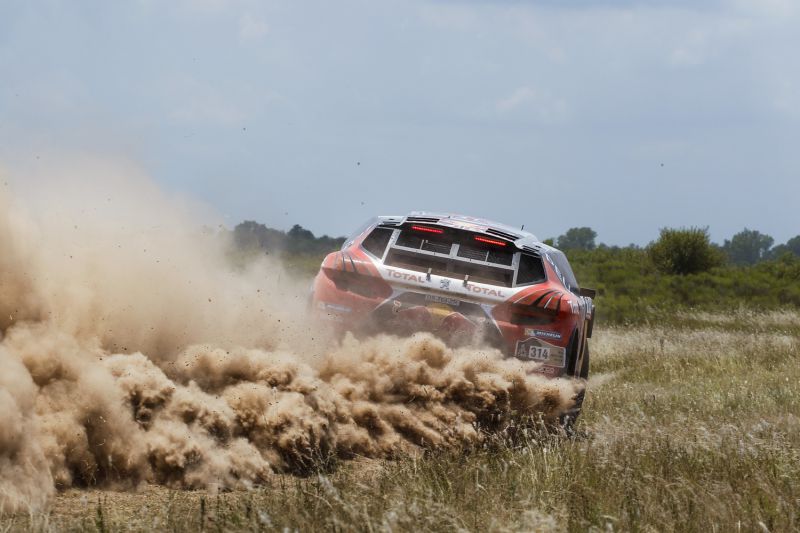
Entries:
{"x":489,"y":241}
{"x":426,"y":229}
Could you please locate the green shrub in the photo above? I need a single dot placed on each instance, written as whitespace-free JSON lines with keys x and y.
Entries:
{"x":684,"y":251}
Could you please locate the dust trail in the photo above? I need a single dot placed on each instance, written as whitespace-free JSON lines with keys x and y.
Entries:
{"x":132,"y":351}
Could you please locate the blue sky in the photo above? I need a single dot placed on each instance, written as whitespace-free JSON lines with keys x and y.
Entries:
{"x":622,"y":115}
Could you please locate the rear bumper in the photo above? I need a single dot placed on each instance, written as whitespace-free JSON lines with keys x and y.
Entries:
{"x":457,"y":322}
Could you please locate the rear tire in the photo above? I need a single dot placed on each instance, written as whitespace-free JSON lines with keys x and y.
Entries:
{"x":569,"y":418}
{"x":585,"y":363}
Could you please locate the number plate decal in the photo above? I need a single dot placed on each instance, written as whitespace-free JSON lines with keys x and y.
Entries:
{"x":542,"y":352}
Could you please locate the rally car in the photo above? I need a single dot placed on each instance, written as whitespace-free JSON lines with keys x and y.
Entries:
{"x":467,"y":280}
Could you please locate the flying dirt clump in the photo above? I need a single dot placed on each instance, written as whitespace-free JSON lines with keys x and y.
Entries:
{"x":134,"y":353}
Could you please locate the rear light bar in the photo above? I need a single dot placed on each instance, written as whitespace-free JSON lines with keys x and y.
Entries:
{"x":489,"y":241}
{"x":427,"y":229}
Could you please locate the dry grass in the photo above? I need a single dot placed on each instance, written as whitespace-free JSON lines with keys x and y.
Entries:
{"x":684,"y":429}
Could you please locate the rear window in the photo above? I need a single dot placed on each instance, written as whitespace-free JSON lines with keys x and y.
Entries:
{"x":376,"y":241}
{"x":361,"y":229}
{"x":531,"y":270}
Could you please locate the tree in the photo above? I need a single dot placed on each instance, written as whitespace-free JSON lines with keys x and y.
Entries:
{"x":748,"y":247}
{"x":252,"y":235}
{"x":684,"y":251}
{"x":577,"y":239}
{"x":300,"y":240}
{"x":792,"y":246}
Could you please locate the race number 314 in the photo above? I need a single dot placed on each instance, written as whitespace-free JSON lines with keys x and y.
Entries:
{"x":540,"y":353}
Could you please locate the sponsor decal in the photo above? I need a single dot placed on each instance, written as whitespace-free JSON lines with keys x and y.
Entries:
{"x":334,"y":307}
{"x":574,"y":307}
{"x":556,"y":269}
{"x":442,"y":300}
{"x":443,"y":283}
{"x":543,"y":334}
{"x":405,"y":276}
{"x":486,"y":290}
{"x":334,"y":312}
{"x":549,"y":370}
{"x":534,"y":349}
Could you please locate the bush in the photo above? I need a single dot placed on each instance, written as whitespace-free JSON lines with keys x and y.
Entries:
{"x":684,"y":251}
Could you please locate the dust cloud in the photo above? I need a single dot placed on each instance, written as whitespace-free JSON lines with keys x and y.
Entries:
{"x":134,"y":349}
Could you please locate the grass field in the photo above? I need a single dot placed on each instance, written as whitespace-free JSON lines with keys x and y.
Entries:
{"x":689,"y":427}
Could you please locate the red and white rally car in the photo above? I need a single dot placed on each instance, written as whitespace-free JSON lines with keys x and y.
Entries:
{"x":467,"y":280}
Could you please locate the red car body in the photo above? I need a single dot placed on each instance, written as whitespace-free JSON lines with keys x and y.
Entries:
{"x":466,"y":280}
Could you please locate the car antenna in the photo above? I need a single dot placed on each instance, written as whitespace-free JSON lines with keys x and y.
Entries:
{"x":466,"y":279}
{"x":522,"y":227}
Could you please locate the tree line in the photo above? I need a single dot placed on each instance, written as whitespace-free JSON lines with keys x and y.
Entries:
{"x":253,"y":236}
